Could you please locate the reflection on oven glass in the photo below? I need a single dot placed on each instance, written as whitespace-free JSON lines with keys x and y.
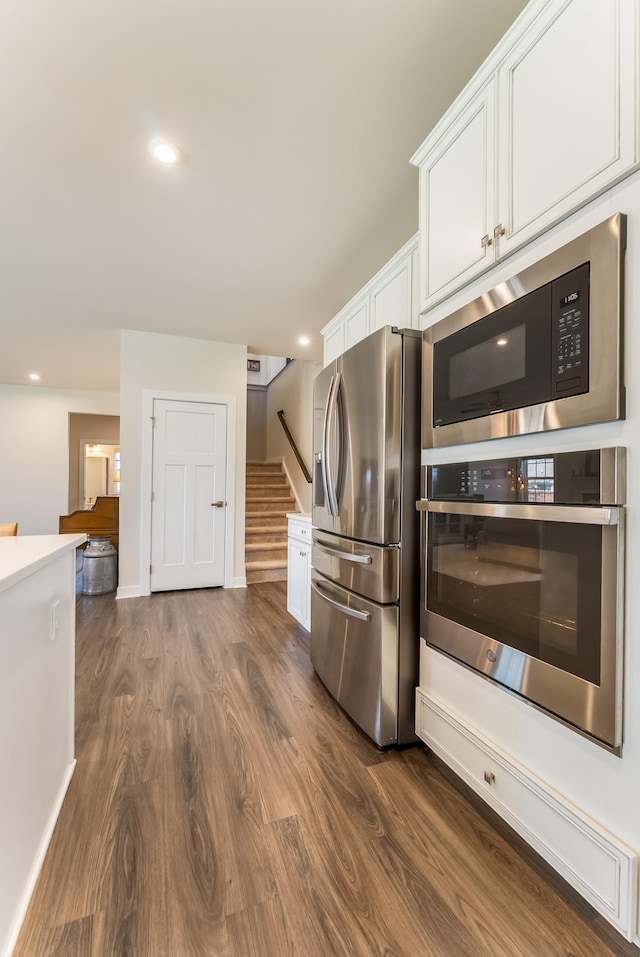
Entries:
{"x":532,"y":585}
{"x":538,"y":480}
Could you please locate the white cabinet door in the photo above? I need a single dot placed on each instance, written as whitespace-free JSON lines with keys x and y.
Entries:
{"x":333,"y":342}
{"x":305,"y":575}
{"x":356,"y":324}
{"x":457,"y":201}
{"x":294,"y":581}
{"x":391,"y":298}
{"x":567,"y":113}
{"x":299,"y":582}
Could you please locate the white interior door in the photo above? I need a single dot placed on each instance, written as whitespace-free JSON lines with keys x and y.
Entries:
{"x":188,"y":511}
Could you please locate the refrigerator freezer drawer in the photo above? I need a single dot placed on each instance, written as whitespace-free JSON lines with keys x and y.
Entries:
{"x":354,"y":651}
{"x":370,"y":570}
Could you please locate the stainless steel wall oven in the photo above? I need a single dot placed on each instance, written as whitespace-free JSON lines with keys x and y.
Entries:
{"x":522,"y":579}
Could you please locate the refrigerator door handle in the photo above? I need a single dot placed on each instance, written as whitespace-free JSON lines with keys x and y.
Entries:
{"x":329,"y":470}
{"x":325,"y":446}
{"x":353,"y":612}
{"x":337,"y":553}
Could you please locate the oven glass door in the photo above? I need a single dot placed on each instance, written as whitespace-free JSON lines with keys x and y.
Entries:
{"x":531,"y":584}
{"x":530,"y":596}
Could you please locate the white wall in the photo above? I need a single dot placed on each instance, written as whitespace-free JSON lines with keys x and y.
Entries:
{"x":34,"y":438}
{"x":171,"y":364}
{"x":270,"y":366}
{"x":602,"y":785}
{"x":292,"y":391}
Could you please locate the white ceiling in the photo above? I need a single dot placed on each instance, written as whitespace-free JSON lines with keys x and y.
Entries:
{"x":296,"y":121}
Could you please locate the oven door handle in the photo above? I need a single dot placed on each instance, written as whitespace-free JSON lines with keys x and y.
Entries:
{"x":576,"y":514}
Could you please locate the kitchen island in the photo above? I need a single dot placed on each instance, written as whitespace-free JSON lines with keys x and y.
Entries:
{"x":37,"y":650}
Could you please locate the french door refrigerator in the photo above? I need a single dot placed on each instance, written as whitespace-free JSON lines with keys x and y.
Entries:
{"x":365,"y":551}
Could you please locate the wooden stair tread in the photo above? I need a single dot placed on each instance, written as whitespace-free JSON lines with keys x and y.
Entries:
{"x":265,"y":546}
{"x":255,"y":531}
{"x":267,"y":563}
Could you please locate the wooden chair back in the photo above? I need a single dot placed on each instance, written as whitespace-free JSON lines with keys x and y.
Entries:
{"x":8,"y":528}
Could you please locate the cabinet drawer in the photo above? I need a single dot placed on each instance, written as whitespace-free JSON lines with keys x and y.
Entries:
{"x":299,"y":530}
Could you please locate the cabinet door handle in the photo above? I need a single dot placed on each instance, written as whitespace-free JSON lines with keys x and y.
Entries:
{"x":499,"y":230}
{"x":218,"y":504}
{"x":486,"y":241}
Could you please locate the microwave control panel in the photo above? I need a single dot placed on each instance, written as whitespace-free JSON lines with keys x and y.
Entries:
{"x":570,"y":333}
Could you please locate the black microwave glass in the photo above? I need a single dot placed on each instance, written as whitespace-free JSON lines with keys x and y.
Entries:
{"x":530,"y":351}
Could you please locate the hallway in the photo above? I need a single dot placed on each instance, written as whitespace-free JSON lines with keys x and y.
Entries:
{"x":223,"y":805}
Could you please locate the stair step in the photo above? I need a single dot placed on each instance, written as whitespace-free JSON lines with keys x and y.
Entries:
{"x":275,"y":553}
{"x":270,"y":520}
{"x":258,"y":547}
{"x":262,"y":564}
{"x":266,"y":575}
{"x":267,"y":468}
{"x":277,"y":528}
{"x":268,"y":504}
{"x":257,"y":508}
{"x":259,"y":492}
{"x":266,"y":481}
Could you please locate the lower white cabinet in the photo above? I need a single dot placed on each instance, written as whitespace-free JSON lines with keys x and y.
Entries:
{"x":596,"y":863}
{"x":299,"y":569}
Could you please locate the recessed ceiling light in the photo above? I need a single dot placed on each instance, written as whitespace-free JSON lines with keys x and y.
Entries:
{"x":34,"y":376}
{"x":304,"y":340}
{"x":164,"y":151}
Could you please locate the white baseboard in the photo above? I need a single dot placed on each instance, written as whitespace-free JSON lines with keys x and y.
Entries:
{"x":240,"y":581}
{"x":129,"y":591}
{"x":36,"y":867}
{"x":599,"y":866}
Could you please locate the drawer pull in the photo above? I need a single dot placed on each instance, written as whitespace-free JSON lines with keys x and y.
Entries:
{"x":352,"y":612}
{"x":336,"y":553}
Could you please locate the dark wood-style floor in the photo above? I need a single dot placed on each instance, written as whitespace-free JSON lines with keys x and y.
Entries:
{"x":223,"y":805}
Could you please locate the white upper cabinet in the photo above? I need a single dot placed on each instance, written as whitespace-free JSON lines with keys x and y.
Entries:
{"x":333,"y":341}
{"x":567,"y":94}
{"x":389,"y":299}
{"x":356,"y":323}
{"x":457,"y":205}
{"x":548,"y":122}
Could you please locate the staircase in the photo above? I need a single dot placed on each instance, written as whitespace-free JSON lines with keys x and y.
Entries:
{"x":269,"y":499}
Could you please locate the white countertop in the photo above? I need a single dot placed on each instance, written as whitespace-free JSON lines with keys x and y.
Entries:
{"x":300,"y":516}
{"x":21,"y":555}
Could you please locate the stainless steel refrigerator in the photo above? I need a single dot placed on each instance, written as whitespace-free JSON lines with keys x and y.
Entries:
{"x":365,"y":559}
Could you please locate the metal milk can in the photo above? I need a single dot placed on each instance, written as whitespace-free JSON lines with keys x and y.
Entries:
{"x":99,"y":566}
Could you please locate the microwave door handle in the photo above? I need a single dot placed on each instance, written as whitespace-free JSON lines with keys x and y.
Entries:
{"x":347,"y":556}
{"x":352,"y":612}
{"x":576,"y":514}
{"x":329,"y":423}
{"x":325,"y":449}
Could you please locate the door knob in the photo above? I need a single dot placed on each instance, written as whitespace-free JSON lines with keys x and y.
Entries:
{"x":218,"y":504}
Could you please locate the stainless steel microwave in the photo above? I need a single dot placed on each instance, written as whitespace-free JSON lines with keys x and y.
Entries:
{"x":541,"y":351}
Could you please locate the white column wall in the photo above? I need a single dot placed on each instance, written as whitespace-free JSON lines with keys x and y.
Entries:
{"x":292,"y":391}
{"x":172,"y":364}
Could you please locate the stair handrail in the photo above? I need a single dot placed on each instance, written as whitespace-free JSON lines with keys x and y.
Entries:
{"x":292,"y":443}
